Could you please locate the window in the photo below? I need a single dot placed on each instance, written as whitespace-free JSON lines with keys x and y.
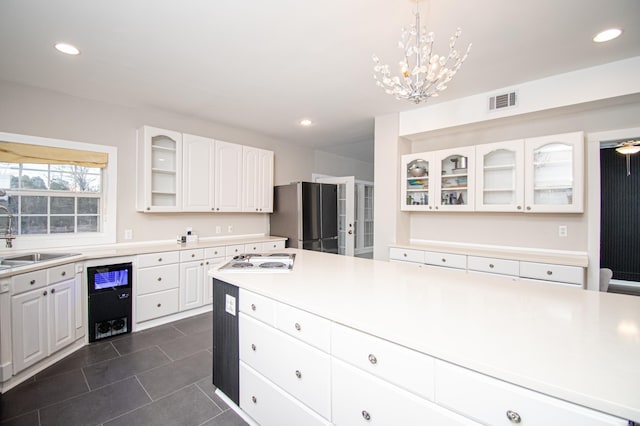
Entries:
{"x":60,"y":193}
{"x":52,"y":198}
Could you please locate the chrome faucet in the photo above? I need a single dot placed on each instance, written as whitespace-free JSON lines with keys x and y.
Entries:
{"x":8,"y":233}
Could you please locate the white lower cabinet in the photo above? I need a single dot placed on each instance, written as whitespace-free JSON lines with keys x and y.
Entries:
{"x":299,"y":369}
{"x":403,"y":367}
{"x":359,"y":398}
{"x":43,"y":320}
{"x":192,"y":280}
{"x":156,"y":305}
{"x":494,"y":402}
{"x":269,"y":405}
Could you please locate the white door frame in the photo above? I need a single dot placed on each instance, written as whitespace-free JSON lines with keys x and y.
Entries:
{"x":349,"y":230}
{"x":594,"y":142}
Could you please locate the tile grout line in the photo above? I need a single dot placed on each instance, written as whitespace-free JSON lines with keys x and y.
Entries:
{"x":222,"y":410}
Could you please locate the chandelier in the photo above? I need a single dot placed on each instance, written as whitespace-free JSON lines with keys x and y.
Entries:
{"x":423,"y":72}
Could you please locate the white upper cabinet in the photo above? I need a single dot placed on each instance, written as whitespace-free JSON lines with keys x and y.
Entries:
{"x":416,"y":187}
{"x":198,"y":155}
{"x":257,"y":193}
{"x":228,"y":177}
{"x":159,"y":174}
{"x":439,"y":180}
{"x":554,"y":173}
{"x":455,"y":179}
{"x":500,"y":177}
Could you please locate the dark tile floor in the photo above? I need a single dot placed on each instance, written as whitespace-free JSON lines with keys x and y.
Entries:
{"x":160,"y":376}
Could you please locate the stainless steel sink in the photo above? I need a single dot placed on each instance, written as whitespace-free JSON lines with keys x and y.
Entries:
{"x":28,"y":258}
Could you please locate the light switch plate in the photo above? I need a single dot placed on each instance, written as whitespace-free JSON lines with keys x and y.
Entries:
{"x":230,"y":304}
{"x":562,"y":230}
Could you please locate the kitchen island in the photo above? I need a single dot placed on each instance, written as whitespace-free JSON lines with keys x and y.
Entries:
{"x":578,"y":346}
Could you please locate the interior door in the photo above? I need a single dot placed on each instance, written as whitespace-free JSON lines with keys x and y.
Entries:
{"x":346,"y":212}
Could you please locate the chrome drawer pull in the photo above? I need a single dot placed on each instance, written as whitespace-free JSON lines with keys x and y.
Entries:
{"x":253,"y":347}
{"x":513,"y":416}
{"x":491,"y":265}
{"x":159,"y":278}
{"x":253,"y":307}
{"x":297,"y":326}
{"x":32,"y":282}
{"x":64,"y":273}
{"x":159,"y":304}
{"x":444,"y":260}
{"x":44,"y":293}
{"x":159,"y":259}
{"x":549,"y":272}
{"x":298,"y":374}
{"x":366,"y":415}
{"x":254,"y":399}
{"x":373,"y":359}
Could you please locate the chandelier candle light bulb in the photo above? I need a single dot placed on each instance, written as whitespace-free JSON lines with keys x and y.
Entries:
{"x":424,"y":73}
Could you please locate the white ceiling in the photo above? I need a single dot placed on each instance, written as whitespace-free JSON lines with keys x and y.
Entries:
{"x":264,"y":65}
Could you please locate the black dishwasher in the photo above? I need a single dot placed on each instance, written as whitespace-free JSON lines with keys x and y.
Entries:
{"x":226,"y":350}
{"x":109,"y":300}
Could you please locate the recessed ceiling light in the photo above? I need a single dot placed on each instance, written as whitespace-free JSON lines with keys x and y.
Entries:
{"x":306,"y":122}
{"x":67,"y":48}
{"x":607,"y":35}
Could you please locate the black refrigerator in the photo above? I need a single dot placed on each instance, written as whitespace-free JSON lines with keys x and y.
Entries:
{"x":307,"y":214}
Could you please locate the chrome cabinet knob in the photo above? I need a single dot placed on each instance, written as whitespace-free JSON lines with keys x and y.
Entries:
{"x":297,"y":326}
{"x":373,"y":359}
{"x":253,"y":347}
{"x":444,"y":260}
{"x":519,"y":207}
{"x":159,"y":259}
{"x":32,"y":282}
{"x":254,"y":399}
{"x":159,"y":278}
{"x":491,"y":266}
{"x":298,"y":374}
{"x":64,"y":273}
{"x":53,"y":290}
{"x":366,"y":415}
{"x":44,"y":293}
{"x":528,"y":207}
{"x":159,"y":304}
{"x":253,"y":307}
{"x":513,"y":416}
{"x":549,"y":272}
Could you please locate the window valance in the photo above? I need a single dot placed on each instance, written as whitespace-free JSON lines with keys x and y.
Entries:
{"x":11,"y":152}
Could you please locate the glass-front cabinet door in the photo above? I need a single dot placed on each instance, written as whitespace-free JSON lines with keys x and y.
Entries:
{"x":500,"y":176}
{"x":455,"y":180}
{"x":554,"y":173}
{"x":415,"y":184}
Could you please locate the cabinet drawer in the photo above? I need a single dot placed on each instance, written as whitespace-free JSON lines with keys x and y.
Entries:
{"x":253,"y":248}
{"x":494,"y":266}
{"x":449,"y":260}
{"x":61,"y":273}
{"x":491,"y":401}
{"x":235,"y":250}
{"x":358,"y":398}
{"x":158,"y":278}
{"x":258,"y":307}
{"x":29,"y":281}
{"x":273,"y":245}
{"x":189,"y":255}
{"x":210,"y":252}
{"x":301,"y":370}
{"x":548,"y":272}
{"x":267,"y":403}
{"x":406,"y":255}
{"x":302,"y":325}
{"x":403,"y":367}
{"x":155,"y":259}
{"x":157,"y":304}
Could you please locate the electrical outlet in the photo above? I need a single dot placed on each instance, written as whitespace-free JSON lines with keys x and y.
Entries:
{"x":562,"y":230}
{"x":128,"y":234}
{"x":230,"y":229}
{"x":218,"y":229}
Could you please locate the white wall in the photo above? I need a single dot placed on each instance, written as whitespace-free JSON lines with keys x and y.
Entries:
{"x":521,"y":230}
{"x":37,"y":112}
{"x":326,"y":163}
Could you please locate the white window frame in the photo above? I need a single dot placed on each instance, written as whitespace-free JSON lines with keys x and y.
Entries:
{"x":108,"y":204}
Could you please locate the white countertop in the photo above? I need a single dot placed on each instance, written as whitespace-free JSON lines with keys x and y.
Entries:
{"x":577,"y":345}
{"x":126,"y":249}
